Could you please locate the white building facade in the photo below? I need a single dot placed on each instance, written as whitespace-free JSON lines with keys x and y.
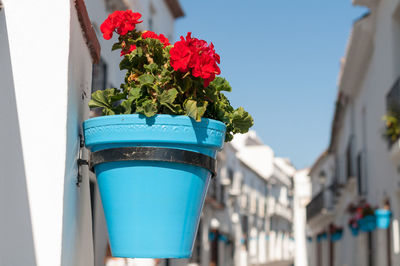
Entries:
{"x":360,"y":164}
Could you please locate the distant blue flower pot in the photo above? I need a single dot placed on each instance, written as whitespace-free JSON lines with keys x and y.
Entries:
{"x":354,"y":230}
{"x":368,"y":223}
{"x":152,"y":208}
{"x":211,"y":236}
{"x":309,"y":239}
{"x":336,"y":236}
{"x":321,"y":237}
{"x":383,"y":218}
{"x":223,"y":238}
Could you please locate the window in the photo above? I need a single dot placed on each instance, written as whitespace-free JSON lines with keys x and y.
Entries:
{"x":350,"y":169}
{"x":393,"y":97}
{"x":212,"y":191}
{"x":230,"y":175}
{"x":99,"y":76}
{"x":361,"y":174}
{"x":112,"y":5}
{"x":222,"y":194}
{"x":245,"y":229}
{"x":99,"y":82}
{"x":152,"y":14}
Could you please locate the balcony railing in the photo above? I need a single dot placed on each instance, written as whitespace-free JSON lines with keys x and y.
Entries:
{"x":279,"y":209}
{"x":319,"y":204}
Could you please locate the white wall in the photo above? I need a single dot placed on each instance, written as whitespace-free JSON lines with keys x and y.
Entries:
{"x":302,"y":196}
{"x":15,"y":222}
{"x":51,"y":70}
{"x":363,"y":118}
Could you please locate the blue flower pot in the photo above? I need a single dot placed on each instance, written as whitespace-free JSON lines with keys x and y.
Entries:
{"x":321,"y":237}
{"x":383,"y":218}
{"x":223,"y":238}
{"x":354,"y":230}
{"x":336,"y":236}
{"x":152,"y":208}
{"x":368,"y":223}
{"x":211,"y":236}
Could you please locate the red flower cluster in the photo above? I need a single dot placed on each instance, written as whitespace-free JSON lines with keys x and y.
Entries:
{"x":192,"y":54}
{"x":152,"y":35}
{"x":120,"y":21}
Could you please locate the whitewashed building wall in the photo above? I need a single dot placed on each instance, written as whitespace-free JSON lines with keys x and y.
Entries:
{"x":370,"y":71}
{"x":46,"y":217}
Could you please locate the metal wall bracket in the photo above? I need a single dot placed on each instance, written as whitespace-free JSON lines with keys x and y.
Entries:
{"x":80,"y":161}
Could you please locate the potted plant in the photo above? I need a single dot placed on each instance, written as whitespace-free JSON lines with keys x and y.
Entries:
{"x":392,"y":126}
{"x":353,"y":226}
{"x":383,"y":216}
{"x":154,"y":148}
{"x":335,"y":232}
{"x":367,"y":222}
{"x":321,"y":236}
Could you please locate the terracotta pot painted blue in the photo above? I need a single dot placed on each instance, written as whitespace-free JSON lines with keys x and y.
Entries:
{"x":368,"y":223}
{"x":336,"y":236}
{"x":354,"y":230}
{"x":152,"y":209}
{"x":383,"y":218}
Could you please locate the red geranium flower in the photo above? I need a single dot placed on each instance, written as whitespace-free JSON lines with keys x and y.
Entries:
{"x":120,"y":21}
{"x":195,"y":55}
{"x":180,"y":56}
{"x":152,"y":35}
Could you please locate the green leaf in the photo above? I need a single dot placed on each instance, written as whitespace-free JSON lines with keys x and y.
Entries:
{"x":146,"y":79}
{"x":241,"y":120}
{"x":195,"y":109}
{"x":187,"y":83}
{"x":102,"y":98}
{"x":167,"y":96}
{"x":147,"y":107}
{"x":108,"y":111}
{"x":127,"y":105}
{"x":221,"y":84}
{"x":135,"y":93}
{"x":117,"y":97}
{"x":116,"y":46}
{"x":98,"y":100}
{"x":137,"y":52}
{"x":151,"y":67}
{"x":125,"y":63}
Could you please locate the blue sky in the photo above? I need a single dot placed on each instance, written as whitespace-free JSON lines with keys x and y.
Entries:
{"x":282,"y":60}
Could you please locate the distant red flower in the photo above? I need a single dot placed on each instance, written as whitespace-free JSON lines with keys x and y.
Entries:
{"x":120,"y":21}
{"x":152,"y":35}
{"x":197,"y":56}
